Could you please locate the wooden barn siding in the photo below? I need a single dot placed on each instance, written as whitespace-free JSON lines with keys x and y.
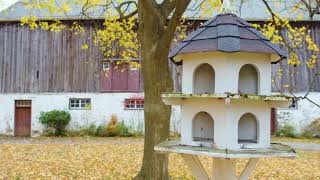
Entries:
{"x":57,"y":58}
{"x":64,"y":67}
{"x":300,"y":78}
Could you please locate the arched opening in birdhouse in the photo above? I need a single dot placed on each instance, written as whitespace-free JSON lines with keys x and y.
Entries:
{"x":248,"y":129}
{"x":204,"y":79}
{"x":248,"y":80}
{"x":203,"y":127}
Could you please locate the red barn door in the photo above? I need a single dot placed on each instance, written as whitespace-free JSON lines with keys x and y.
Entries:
{"x":22,"y":125}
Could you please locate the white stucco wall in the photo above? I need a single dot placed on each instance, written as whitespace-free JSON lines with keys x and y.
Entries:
{"x":227,"y":67}
{"x":103,"y":105}
{"x":226,"y":117}
{"x":305,"y":113}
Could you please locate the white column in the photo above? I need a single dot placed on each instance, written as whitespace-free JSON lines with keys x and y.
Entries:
{"x":224,"y":169}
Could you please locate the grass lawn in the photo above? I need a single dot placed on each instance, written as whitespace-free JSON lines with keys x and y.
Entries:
{"x":121,"y":158}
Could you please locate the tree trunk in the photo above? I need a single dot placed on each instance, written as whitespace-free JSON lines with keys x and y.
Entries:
{"x":157,"y":80}
{"x":155,"y":34}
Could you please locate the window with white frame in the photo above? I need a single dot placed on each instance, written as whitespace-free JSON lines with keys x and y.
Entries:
{"x":134,"y":104}
{"x":80,"y":103}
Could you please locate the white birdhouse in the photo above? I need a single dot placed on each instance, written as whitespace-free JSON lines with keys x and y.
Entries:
{"x":226,"y":97}
{"x":226,"y":85}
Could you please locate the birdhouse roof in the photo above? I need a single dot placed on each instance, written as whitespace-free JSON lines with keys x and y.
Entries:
{"x":226,"y":33}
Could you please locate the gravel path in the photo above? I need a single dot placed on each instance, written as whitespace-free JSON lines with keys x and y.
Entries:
{"x":70,"y":140}
{"x":303,"y":146}
{"x":117,"y":140}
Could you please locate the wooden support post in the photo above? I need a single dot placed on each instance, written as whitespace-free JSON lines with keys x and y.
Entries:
{"x":195,"y":166}
{"x":248,"y":169}
{"x":274,"y":121}
{"x":224,"y":169}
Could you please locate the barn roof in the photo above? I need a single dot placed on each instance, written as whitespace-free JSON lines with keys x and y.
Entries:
{"x":19,"y":10}
{"x":226,"y":33}
{"x":251,"y":10}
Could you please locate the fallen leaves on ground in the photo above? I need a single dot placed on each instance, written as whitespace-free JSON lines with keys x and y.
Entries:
{"x":123,"y":161}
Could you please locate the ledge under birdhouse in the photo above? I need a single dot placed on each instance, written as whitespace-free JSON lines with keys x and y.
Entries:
{"x":275,"y":150}
{"x":274,"y":100}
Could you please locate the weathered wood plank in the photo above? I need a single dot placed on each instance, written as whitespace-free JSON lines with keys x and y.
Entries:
{"x":44,"y":61}
{"x":2,"y":67}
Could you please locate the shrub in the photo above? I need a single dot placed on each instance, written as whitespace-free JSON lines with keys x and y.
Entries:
{"x":102,"y":131}
{"x":312,"y":130}
{"x":83,"y":131}
{"x":112,"y":126}
{"x":112,"y":129}
{"x":56,"y":120}
{"x":123,"y":130}
{"x":88,"y":131}
{"x":286,"y":130}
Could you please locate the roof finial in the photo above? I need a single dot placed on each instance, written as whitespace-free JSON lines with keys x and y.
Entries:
{"x":227,"y":8}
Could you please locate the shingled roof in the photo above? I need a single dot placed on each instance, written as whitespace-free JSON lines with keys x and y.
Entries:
{"x":226,"y":33}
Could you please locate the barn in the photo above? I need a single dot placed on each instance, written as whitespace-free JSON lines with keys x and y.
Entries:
{"x":42,"y":70}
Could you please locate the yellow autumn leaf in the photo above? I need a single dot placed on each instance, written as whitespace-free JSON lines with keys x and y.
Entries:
{"x":121,"y":158}
{"x":84,"y":46}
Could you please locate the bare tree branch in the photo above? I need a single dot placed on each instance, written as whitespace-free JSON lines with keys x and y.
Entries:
{"x":311,"y":10}
{"x":127,"y":4}
{"x":180,"y":8}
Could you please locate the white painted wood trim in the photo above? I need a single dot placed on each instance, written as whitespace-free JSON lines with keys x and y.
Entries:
{"x":195,"y":166}
{"x":251,"y":164}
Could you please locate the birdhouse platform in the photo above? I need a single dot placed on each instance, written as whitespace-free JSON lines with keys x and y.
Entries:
{"x":223,"y":160}
{"x":275,"y":150}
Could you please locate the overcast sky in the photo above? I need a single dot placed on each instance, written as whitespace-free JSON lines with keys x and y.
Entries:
{"x":6,"y":3}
